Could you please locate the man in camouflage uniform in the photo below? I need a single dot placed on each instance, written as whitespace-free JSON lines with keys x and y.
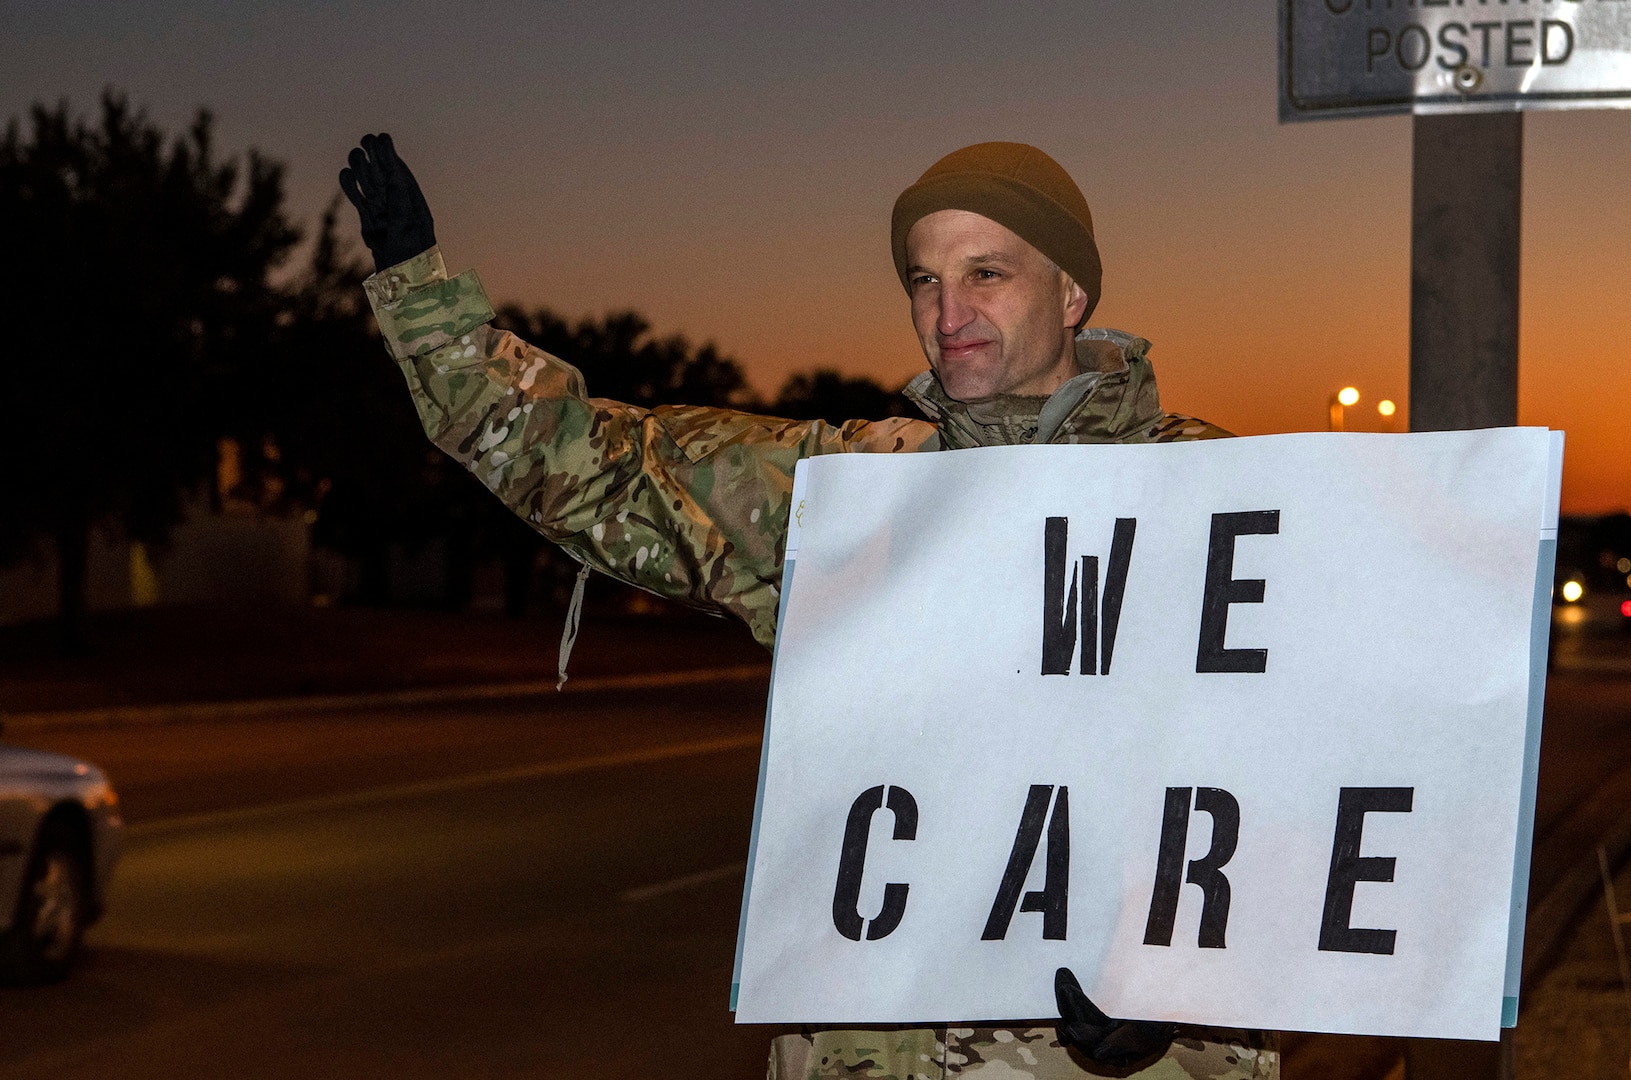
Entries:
{"x":994,"y":245}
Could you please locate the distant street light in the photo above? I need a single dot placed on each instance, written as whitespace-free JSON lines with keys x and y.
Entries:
{"x":1573,"y":590}
{"x":1338,"y":411}
{"x":1347,"y":397}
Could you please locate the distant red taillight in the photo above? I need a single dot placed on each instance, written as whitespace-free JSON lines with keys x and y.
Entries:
{"x":1625,"y":609}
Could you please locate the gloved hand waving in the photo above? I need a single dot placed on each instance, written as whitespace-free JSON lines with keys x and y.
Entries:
{"x":396,"y":221}
{"x":1120,"y":1044}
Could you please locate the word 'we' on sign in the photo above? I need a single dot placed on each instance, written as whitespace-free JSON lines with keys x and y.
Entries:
{"x":1191,"y":719}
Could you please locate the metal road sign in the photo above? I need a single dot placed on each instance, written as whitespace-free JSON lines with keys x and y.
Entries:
{"x":1367,"y":57}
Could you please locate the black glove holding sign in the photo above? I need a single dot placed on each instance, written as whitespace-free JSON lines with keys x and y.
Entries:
{"x":1119,"y":1044}
{"x":396,"y":222}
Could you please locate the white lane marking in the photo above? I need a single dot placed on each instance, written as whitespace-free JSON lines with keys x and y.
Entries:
{"x":680,"y":884}
{"x":351,"y":799}
{"x":434,"y":695}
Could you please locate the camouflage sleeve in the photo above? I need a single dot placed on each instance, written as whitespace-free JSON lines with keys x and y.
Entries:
{"x":1176,"y":427}
{"x":690,"y":503}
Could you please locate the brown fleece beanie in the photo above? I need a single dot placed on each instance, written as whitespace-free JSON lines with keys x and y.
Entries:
{"x":1017,"y":186}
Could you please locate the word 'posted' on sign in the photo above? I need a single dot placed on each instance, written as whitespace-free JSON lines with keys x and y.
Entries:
{"x":1365,"y":57}
{"x":1244,"y":732}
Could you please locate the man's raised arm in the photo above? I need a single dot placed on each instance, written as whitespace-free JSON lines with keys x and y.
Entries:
{"x":690,"y":503}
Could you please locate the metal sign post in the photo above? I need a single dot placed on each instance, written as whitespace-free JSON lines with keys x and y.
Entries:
{"x":1466,"y":200}
{"x":1465,"y":71}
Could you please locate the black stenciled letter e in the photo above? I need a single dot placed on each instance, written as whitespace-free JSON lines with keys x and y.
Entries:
{"x":1223,"y":589}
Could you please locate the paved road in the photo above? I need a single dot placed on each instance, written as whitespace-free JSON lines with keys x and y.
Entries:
{"x":480,"y":889}
{"x":547,"y":888}
{"x":1576,"y":1020}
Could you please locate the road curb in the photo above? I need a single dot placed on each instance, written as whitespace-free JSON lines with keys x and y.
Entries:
{"x":182,"y":712}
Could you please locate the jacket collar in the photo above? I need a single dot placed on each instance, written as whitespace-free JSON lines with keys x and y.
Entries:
{"x":1113,"y":400}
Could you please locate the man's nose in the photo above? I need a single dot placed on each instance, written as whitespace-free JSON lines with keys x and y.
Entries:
{"x":955,"y":311}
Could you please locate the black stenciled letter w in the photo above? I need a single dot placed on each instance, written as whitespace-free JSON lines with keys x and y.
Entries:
{"x":1059,"y":604}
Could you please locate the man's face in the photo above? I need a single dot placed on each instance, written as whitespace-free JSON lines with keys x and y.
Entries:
{"x":994,"y":316}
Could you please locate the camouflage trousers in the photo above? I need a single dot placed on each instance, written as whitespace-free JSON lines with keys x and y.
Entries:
{"x":1001,"y":1053}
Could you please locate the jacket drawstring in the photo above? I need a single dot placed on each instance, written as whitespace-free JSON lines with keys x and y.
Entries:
{"x":569,"y":631}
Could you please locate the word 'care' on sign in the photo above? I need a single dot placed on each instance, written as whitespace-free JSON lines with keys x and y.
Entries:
{"x":1244,"y":732}
{"x":1366,"y":57}
{"x":1052,"y":900}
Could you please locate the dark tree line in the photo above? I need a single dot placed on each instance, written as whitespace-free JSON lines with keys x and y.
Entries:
{"x":1596,"y":551}
{"x":154,"y":314}
{"x":137,"y":265}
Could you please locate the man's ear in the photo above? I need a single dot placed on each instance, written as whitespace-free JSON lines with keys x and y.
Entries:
{"x":1075,"y":302}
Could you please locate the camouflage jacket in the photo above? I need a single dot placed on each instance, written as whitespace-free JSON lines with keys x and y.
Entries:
{"x":692,"y":503}
{"x":686,"y":502}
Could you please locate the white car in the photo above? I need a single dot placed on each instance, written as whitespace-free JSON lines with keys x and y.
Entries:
{"x":59,"y":838}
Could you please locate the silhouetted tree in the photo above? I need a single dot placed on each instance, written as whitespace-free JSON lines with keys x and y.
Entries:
{"x":327,"y":424}
{"x":620,"y":359}
{"x":330,"y":427}
{"x":828,"y":395}
{"x":135,"y":277}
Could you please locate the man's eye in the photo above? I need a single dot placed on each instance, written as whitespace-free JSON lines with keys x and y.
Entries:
{"x":987,"y":274}
{"x":922,"y":279}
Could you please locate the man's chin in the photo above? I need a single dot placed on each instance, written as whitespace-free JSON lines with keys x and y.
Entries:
{"x":970,"y":387}
{"x":973,"y":395}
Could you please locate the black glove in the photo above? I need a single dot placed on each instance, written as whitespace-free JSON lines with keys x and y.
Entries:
{"x":396,"y":222}
{"x":1120,"y":1044}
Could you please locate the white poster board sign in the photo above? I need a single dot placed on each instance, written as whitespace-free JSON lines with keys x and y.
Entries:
{"x":1240,"y":731}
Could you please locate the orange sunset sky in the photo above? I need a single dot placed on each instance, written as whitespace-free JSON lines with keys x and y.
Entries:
{"x":727,"y":169}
